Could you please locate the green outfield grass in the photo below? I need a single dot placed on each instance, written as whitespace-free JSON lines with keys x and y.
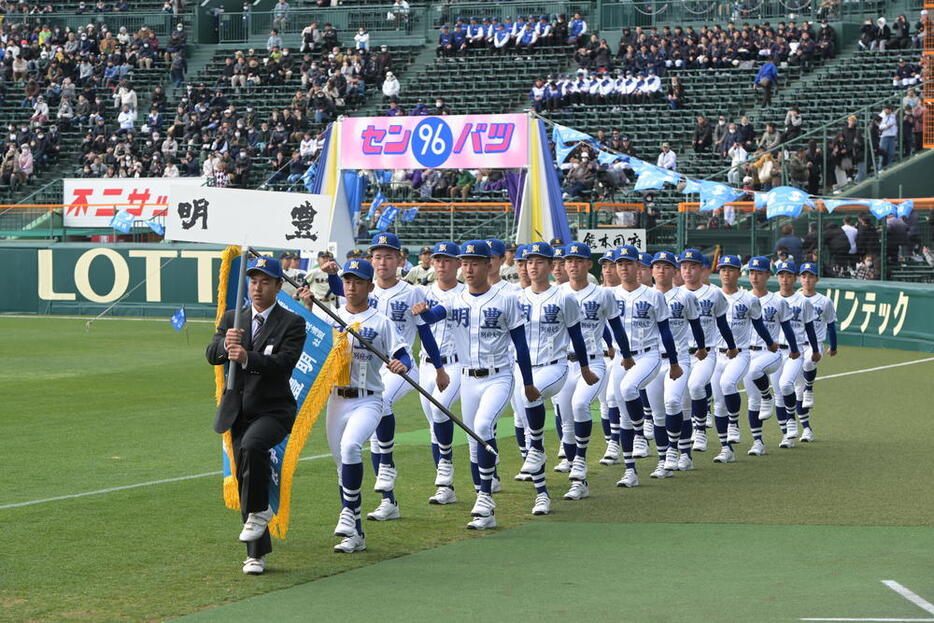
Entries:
{"x":132,"y":402}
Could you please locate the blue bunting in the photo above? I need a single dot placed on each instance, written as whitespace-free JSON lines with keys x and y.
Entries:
{"x":654,"y":178}
{"x":156,"y":227}
{"x":122,"y":221}
{"x":786,"y":201}
{"x":409,"y":214}
{"x":714,"y":194}
{"x":565,"y":140}
{"x":881,"y":208}
{"x":904,"y":208}
{"x":691,"y":187}
{"x":387,"y":218}
{"x":760,"y":200}
{"x":607,"y":158}
{"x":178,"y":319}
{"x":378,"y":200}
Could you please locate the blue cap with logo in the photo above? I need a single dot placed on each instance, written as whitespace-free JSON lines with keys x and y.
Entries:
{"x":608,"y":256}
{"x":541,"y":249}
{"x":268,"y":265}
{"x":497,"y":247}
{"x":808,"y":267}
{"x":707,"y":261}
{"x":759,"y":263}
{"x":627,"y":252}
{"x":359,"y":268}
{"x":474,"y":248}
{"x":692,"y":255}
{"x":390,"y":241}
{"x":666,"y":257}
{"x":445,"y":248}
{"x":559,"y":252}
{"x":729,"y":261}
{"x":520,"y":252}
{"x":786,"y":267}
{"x":577,"y":249}
{"x":645,"y":258}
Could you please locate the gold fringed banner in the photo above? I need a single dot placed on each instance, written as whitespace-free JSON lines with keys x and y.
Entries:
{"x":335,"y":371}
{"x":230,"y":487}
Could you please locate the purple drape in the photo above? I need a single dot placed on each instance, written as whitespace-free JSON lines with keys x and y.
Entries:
{"x":515,"y":183}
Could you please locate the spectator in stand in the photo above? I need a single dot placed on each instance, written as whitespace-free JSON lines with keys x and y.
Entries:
{"x":906,"y":74}
{"x":792,"y":243}
{"x":917,"y":114}
{"x":856,"y":148}
{"x":770,"y":139}
{"x":441,"y":108}
{"x":667,"y":158}
{"x":793,"y":124}
{"x":462,"y":185}
{"x":867,"y":268}
{"x":274,"y":40}
{"x":738,"y":157}
{"x":730,"y":137}
{"x":391,"y":86}
{"x":765,"y":80}
{"x":901,"y":34}
{"x":398,"y":13}
{"x":577,"y":29}
{"x":882,"y":35}
{"x":851,"y":232}
{"x":815,"y":156}
{"x":580,"y":176}
{"x":280,"y":16}
{"x":703,"y":135}
{"x":675,"y":96}
{"x":888,"y":136}
{"x":836,"y":247}
{"x":798,"y":170}
{"x":362,"y":39}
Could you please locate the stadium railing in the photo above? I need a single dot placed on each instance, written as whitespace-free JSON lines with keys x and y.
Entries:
{"x":160,"y":23}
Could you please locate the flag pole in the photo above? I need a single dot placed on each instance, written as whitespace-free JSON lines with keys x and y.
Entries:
{"x":385,"y":359}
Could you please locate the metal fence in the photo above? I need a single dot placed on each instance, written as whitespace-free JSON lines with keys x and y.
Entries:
{"x":160,"y":23}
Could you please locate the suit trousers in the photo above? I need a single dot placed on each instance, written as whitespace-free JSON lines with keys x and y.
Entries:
{"x":251,"y":443}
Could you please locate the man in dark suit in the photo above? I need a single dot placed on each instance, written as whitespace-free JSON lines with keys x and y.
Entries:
{"x":266,"y":349}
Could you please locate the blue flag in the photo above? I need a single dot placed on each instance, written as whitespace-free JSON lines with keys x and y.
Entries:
{"x":652,"y":177}
{"x":409,"y":214}
{"x":308,"y":177}
{"x":786,"y":201}
{"x":178,"y":319}
{"x":833,"y":204}
{"x":714,"y":194}
{"x":760,"y":200}
{"x":566,"y":139}
{"x":904,"y":208}
{"x":881,"y":208}
{"x":691,"y":187}
{"x":156,"y":227}
{"x":387,"y":218}
{"x":122,"y":221}
{"x":607,"y":158}
{"x":638,"y":165}
{"x":378,"y":200}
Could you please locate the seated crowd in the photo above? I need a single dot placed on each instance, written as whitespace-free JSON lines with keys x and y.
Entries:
{"x":521,"y":35}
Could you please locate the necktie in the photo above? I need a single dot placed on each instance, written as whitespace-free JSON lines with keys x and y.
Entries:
{"x":258,"y":321}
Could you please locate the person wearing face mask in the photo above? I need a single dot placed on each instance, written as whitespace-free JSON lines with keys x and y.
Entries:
{"x":441,"y":108}
{"x":866,"y":268}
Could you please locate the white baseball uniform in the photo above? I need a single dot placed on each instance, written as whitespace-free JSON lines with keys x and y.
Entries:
{"x":775,"y":311}
{"x":743,"y":307}
{"x":667,"y":396}
{"x":443,"y":333}
{"x":711,"y":304}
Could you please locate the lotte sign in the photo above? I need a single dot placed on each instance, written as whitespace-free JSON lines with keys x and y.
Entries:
{"x":448,"y":142}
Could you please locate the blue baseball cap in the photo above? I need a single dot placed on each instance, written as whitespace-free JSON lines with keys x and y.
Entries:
{"x":445,"y":248}
{"x":268,"y":265}
{"x":645,"y":258}
{"x":808,"y":267}
{"x":497,"y":247}
{"x":359,"y":268}
{"x":759,"y":263}
{"x":559,"y":253}
{"x":608,"y":256}
{"x":541,"y":249}
{"x":693,"y":255}
{"x":387,"y":240}
{"x":707,"y":261}
{"x":786,"y":267}
{"x":729,"y":261}
{"x":666,"y":257}
{"x":520,"y":252}
{"x":577,"y":249}
{"x":475,"y":248}
{"x":627,"y":252}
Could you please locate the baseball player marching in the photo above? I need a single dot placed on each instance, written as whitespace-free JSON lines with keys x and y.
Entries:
{"x":484,"y":322}
{"x":354,"y":411}
{"x":825,"y":325}
{"x":394,"y":299}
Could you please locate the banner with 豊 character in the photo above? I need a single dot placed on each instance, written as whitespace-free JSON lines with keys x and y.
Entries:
{"x":254,"y":217}
{"x":92,"y":202}
{"x":437,"y":142}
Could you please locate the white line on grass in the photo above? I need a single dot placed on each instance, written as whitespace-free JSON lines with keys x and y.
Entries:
{"x":322,"y":456}
{"x":53,"y":317}
{"x":910,"y":595}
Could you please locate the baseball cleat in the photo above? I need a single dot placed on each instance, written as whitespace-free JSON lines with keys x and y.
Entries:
{"x":534,"y":461}
{"x":578,"y":491}
{"x":630,"y":479}
{"x":346,"y":526}
{"x":254,"y":566}
{"x":351,"y":544}
{"x":726,"y":456}
{"x":496,"y":486}
{"x":444,"y":495}
{"x":385,"y":478}
{"x":791,"y":430}
{"x":700,"y":441}
{"x":765,"y":409}
{"x":483,"y":506}
{"x":787,"y":442}
{"x":660,"y":471}
{"x":757,"y":449}
{"x":611,"y":456}
{"x":807,"y":435}
{"x":640,"y":447}
{"x":807,"y":399}
{"x":523,"y":477}
{"x":733,"y":435}
{"x":561,"y":454}
{"x":671,"y":459}
{"x":685,"y":463}
{"x":648,"y":428}
{"x":482,"y":522}
{"x":578,"y":469}
{"x":445,"y":474}
{"x":563,"y":467}
{"x":542,"y":504}
{"x":386,"y":511}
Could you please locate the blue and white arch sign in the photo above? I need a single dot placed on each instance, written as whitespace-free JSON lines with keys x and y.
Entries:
{"x":448,"y":142}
